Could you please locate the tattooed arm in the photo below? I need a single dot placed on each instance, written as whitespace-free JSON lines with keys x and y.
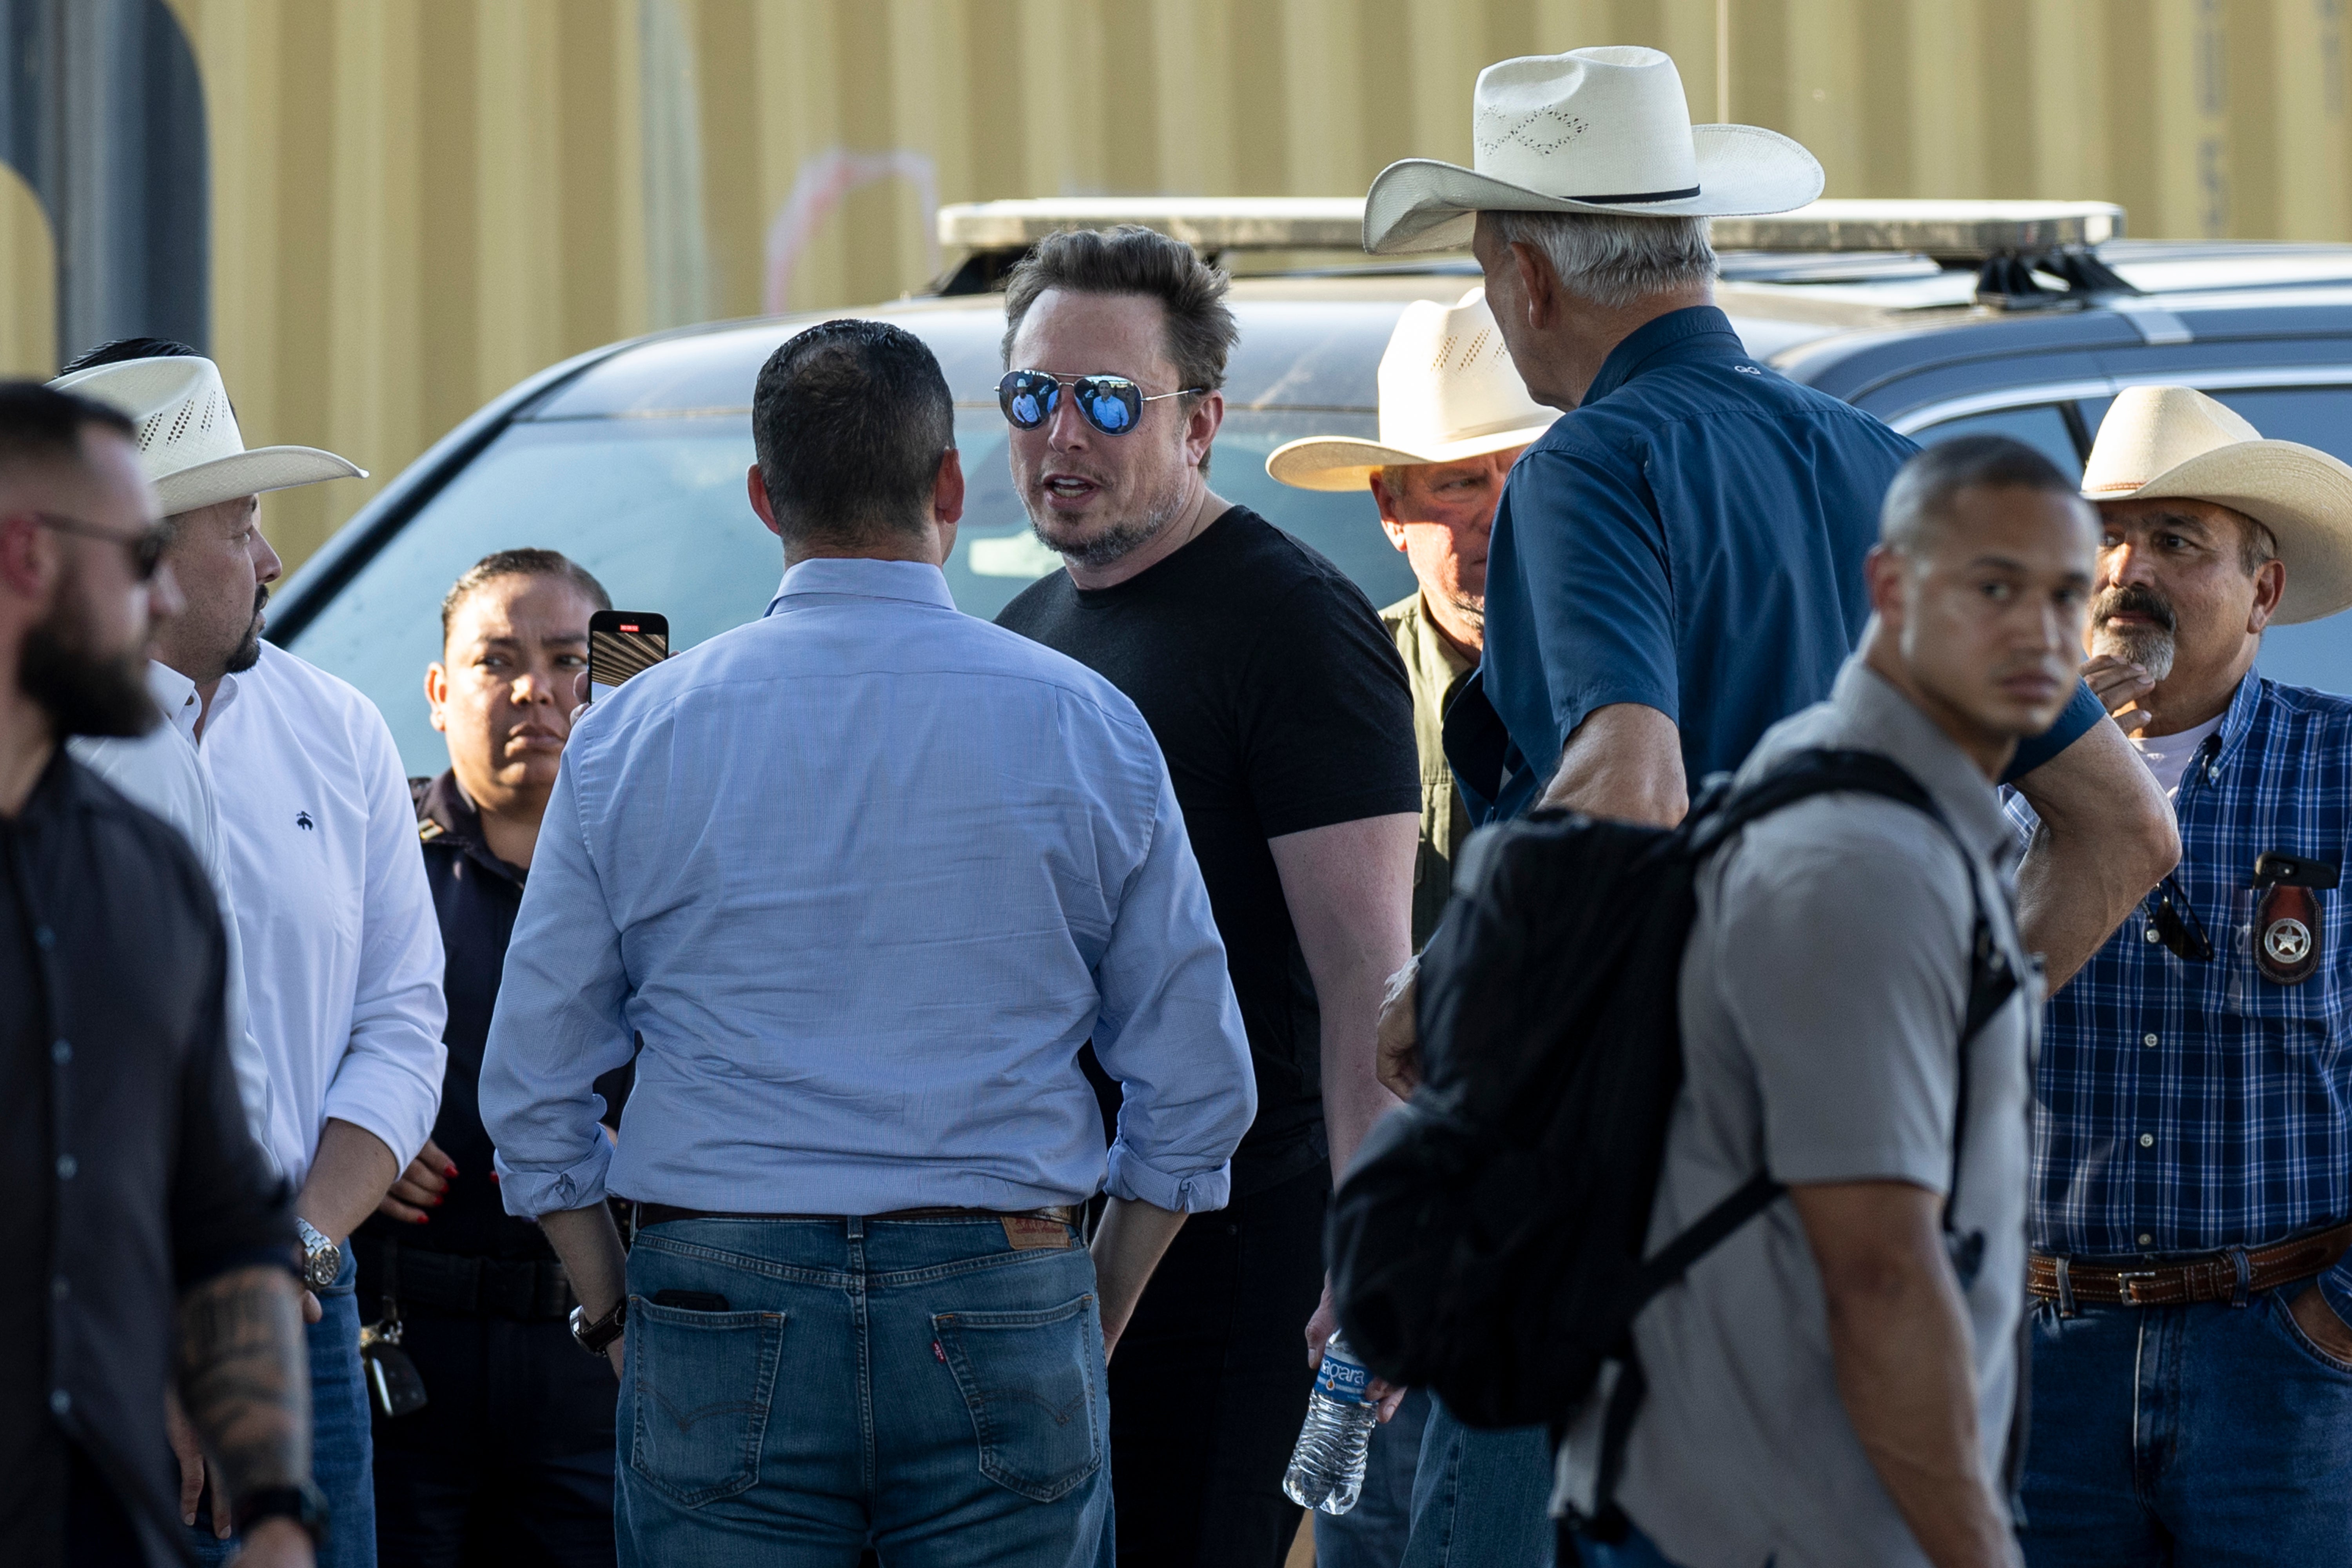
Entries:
{"x":245,"y":1384}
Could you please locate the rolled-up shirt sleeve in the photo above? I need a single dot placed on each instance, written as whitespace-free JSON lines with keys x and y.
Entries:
{"x":1171,"y":1032}
{"x":560,"y":1024}
{"x":388,"y":1081}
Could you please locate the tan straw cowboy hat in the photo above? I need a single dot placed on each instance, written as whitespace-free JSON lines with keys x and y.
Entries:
{"x":1448,"y":391}
{"x":2173,"y":441}
{"x":1592,"y":131}
{"x":188,"y":440}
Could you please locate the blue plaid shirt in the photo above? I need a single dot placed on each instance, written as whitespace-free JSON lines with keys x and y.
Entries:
{"x":2183,"y":1106}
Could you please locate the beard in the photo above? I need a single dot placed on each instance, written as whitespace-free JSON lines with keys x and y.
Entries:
{"x":2151,"y":647}
{"x":83,"y":690}
{"x":248,"y":652}
{"x":1119,"y":539}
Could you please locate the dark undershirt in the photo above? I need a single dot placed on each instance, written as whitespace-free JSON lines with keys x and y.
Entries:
{"x":1280,"y":703}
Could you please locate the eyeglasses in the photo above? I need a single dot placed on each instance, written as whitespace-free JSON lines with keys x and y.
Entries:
{"x":146,"y":546}
{"x":2177,"y":925}
{"x":1111,"y":403}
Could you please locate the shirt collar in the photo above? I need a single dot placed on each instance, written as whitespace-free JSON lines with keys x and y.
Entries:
{"x":2236,"y":720}
{"x":448,"y":815}
{"x":175,"y":697}
{"x":1432,"y":651}
{"x":1889,"y":721}
{"x":918,"y":582}
{"x":1695,"y":332}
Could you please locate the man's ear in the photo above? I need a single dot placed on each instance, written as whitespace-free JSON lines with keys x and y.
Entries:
{"x":2269,"y":586}
{"x":758,"y":490}
{"x":1200,"y":427}
{"x":1536,"y":282}
{"x":27,"y":562}
{"x":1882,"y":574}
{"x":436,"y":692}
{"x":947,"y":488}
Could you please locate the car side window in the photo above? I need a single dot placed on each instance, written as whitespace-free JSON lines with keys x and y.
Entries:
{"x":2043,"y":426}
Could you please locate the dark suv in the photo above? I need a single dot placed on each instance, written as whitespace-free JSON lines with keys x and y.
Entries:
{"x":1937,"y":317}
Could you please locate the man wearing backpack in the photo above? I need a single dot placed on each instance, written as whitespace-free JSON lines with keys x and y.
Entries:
{"x":1832,"y":1386}
{"x":2191,"y":1188}
{"x":1676,"y":564}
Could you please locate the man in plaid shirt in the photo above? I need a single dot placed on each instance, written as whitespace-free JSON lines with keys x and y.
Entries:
{"x":2192,"y":1150}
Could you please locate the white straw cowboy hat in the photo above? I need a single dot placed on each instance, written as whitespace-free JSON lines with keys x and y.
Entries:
{"x":1592,"y":131}
{"x":2173,"y":441}
{"x":1448,"y":391}
{"x":188,"y":440}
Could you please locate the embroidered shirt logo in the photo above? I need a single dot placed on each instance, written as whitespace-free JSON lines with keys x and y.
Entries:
{"x":302,"y":820}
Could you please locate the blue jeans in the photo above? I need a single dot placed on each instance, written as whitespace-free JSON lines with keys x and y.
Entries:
{"x":342,"y":1451}
{"x":1372,"y":1534}
{"x":921,"y":1385}
{"x":1481,"y":1499}
{"x":2187,"y":1436}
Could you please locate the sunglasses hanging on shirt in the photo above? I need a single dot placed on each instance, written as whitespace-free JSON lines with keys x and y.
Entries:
{"x":1111,"y":403}
{"x":2176,"y":924}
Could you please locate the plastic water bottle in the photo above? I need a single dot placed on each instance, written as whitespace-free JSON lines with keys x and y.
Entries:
{"x":1327,"y":1468}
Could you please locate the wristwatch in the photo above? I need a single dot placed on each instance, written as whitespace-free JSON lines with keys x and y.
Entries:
{"x":302,"y":1502}
{"x":321,"y":1259}
{"x":594,"y":1337}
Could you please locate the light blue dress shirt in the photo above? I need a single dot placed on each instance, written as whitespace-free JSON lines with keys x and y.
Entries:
{"x":865,"y":875}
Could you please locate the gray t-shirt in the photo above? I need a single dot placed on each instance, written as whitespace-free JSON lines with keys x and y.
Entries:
{"x":1822,"y":994}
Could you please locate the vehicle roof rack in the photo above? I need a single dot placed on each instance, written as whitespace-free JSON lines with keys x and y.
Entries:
{"x":2011,"y":240}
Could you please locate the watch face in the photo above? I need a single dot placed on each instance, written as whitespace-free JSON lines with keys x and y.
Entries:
{"x":321,"y":1265}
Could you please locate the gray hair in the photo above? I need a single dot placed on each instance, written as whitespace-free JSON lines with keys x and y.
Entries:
{"x":1612,"y":259}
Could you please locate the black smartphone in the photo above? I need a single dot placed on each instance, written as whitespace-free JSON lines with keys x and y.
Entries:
{"x":2277,"y":868}
{"x":622,"y":643}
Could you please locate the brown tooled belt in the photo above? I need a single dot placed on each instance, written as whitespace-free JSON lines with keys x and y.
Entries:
{"x":2231,"y":1275}
{"x":663,"y":1213}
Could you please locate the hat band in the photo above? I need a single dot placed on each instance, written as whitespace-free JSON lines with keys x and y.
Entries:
{"x":1682,"y":194}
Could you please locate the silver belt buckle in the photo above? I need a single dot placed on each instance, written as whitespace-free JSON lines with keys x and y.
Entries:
{"x":2127,"y":1286}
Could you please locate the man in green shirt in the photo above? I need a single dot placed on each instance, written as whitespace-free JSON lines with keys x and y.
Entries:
{"x":1453,"y":417}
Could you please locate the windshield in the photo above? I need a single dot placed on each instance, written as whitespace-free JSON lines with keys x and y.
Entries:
{"x":654,"y":509}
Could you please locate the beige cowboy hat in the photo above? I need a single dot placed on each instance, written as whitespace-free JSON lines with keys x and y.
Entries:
{"x":1592,"y":130}
{"x":188,"y":440}
{"x":2159,"y":441}
{"x":1448,"y":391}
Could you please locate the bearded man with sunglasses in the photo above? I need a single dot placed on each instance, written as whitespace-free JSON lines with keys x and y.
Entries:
{"x":1286,"y":718}
{"x":2192,"y":1197}
{"x":342,"y":953}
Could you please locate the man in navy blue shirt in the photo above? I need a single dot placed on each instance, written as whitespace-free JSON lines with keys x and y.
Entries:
{"x":1676,"y":564}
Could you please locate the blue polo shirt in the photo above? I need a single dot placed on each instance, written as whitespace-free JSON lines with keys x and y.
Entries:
{"x":1691,"y":539}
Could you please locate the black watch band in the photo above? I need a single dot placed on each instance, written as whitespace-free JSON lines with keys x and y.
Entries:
{"x":302,"y":1502}
{"x":594,"y":1337}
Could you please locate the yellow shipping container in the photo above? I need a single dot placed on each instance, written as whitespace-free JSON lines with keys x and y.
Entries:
{"x":415,"y":203}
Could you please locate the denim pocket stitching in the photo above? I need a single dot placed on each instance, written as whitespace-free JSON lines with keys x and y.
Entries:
{"x":996,"y":1440}
{"x":652,"y":1405}
{"x":2283,"y":1311}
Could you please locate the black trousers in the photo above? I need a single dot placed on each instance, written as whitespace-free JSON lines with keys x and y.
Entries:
{"x":1209,"y":1387}
{"x":511,"y":1461}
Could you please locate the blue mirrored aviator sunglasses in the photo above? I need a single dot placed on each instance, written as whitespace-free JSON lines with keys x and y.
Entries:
{"x":1111,"y":403}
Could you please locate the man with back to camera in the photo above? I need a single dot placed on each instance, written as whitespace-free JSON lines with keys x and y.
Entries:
{"x":2190,"y":1195}
{"x":1677,"y":563}
{"x":865,"y":875}
{"x":510,"y":1458}
{"x":1453,"y":416}
{"x":151,"y":1242}
{"x":342,"y":961}
{"x":1288,"y":721}
{"x":1835,"y":1384}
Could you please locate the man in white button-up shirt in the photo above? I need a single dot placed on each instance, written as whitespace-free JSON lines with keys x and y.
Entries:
{"x":343,"y":954}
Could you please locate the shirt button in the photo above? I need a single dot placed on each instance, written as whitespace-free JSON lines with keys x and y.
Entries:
{"x":2147,"y":1039}
{"x":60,"y":1401}
{"x":2147,"y":1140}
{"x":43,"y":936}
{"x":2144,"y":1239}
{"x":59,"y":1288}
{"x":67,"y":1167}
{"x":2150,"y":934}
{"x":61,"y":1053}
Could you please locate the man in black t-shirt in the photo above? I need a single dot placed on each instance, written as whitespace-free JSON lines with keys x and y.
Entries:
{"x":1287,"y":719}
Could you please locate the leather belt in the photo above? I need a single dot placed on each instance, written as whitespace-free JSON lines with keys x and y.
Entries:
{"x":663,"y":1213}
{"x":527,"y":1289}
{"x":2230,"y":1275}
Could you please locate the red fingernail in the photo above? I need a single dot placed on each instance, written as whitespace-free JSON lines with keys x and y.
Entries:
{"x":439,"y":1201}
{"x":494,"y":1175}
{"x":450,"y":1172}
{"x":422,"y":1218}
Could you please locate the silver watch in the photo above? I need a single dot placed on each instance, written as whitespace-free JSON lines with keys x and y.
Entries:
{"x":321,"y":1259}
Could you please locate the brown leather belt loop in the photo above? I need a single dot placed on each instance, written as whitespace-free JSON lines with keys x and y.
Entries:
{"x":2235,"y":1274}
{"x":650,"y":1214}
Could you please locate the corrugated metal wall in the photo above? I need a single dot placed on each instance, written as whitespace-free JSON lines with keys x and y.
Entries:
{"x":418,"y":201}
